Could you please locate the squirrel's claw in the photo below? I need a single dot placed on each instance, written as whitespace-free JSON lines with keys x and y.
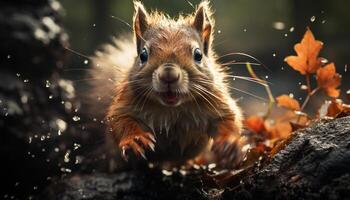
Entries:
{"x":137,"y":143}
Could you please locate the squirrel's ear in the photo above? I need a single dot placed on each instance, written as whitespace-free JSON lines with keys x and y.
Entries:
{"x":203,"y":23}
{"x":140,"y":23}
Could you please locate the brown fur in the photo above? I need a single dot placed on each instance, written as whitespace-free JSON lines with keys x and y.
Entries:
{"x":206,"y":109}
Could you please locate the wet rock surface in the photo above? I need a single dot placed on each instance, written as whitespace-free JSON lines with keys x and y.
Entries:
{"x":314,"y":165}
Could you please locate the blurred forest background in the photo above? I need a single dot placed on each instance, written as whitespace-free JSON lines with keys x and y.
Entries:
{"x":266,"y":30}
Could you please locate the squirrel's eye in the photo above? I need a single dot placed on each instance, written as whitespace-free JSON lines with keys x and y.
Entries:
{"x":197,"y":55}
{"x":144,"y":55}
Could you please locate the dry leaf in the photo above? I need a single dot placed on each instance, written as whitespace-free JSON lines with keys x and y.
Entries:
{"x":280,"y":130}
{"x":255,"y":124}
{"x":286,"y":101}
{"x":334,"y":108}
{"x":329,"y":80}
{"x":307,"y":60}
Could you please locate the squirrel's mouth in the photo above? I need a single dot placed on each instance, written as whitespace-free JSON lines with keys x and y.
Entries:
{"x":170,"y":98}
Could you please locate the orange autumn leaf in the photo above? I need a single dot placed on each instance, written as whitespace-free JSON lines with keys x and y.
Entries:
{"x":255,"y":124}
{"x":280,"y":130}
{"x":286,"y":101}
{"x":307,"y":60}
{"x":329,"y":80}
{"x":334,"y":108}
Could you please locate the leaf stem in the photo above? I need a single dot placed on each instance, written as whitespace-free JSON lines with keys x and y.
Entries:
{"x":267,"y":88}
{"x":308,"y":83}
{"x":310,"y":92}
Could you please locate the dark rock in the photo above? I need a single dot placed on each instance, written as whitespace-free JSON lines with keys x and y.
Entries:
{"x":314,"y":165}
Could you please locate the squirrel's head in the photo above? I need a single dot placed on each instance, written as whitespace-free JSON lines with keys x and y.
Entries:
{"x":175,"y":61}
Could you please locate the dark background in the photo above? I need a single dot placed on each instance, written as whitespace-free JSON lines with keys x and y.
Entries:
{"x":266,"y":30}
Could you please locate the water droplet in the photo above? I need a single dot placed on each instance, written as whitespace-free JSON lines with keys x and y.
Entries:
{"x":61,"y":124}
{"x":324,"y":60}
{"x":291,"y":95}
{"x":47,"y":84}
{"x":167,"y":172}
{"x":30,"y":139}
{"x":51,"y":96}
{"x":18,"y":74}
{"x":66,"y":156}
{"x":24,"y":99}
{"x":285,"y":35}
{"x":66,"y":170}
{"x":59,"y":132}
{"x":211,"y":166}
{"x":323,"y":21}
{"x":291,"y":29}
{"x":274,"y":54}
{"x":86,"y":62}
{"x":278,"y":25}
{"x":42,"y":138}
{"x":56,"y":149}
{"x":94,"y":25}
{"x":303,"y":87}
{"x":245,"y":30}
{"x":313,"y":18}
{"x":76,"y":118}
{"x":25,"y":80}
{"x":266,"y":76}
{"x":8,"y":56}
{"x":76,"y":146}
{"x":345,"y":68}
{"x":78,"y":159}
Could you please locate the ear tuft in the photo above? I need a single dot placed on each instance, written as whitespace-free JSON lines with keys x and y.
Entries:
{"x":203,"y":23}
{"x":140,"y":23}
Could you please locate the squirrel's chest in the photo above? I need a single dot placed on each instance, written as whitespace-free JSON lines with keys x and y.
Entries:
{"x":181,"y":134}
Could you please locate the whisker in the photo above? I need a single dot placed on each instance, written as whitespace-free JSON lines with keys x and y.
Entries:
{"x":239,"y":63}
{"x":147,"y":97}
{"x":190,"y":4}
{"x":77,"y":53}
{"x":121,"y":20}
{"x":248,"y":93}
{"x":203,"y":97}
{"x":90,"y":79}
{"x":247,"y":55}
{"x":206,"y":91}
{"x":249,"y":79}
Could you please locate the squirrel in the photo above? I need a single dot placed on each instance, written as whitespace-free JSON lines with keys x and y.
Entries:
{"x":171,"y":100}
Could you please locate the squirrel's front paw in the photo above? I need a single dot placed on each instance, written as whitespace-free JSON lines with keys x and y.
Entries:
{"x":227,"y":148}
{"x":137,"y":142}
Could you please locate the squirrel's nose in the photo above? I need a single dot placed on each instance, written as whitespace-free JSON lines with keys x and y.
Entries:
{"x":169,"y":74}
